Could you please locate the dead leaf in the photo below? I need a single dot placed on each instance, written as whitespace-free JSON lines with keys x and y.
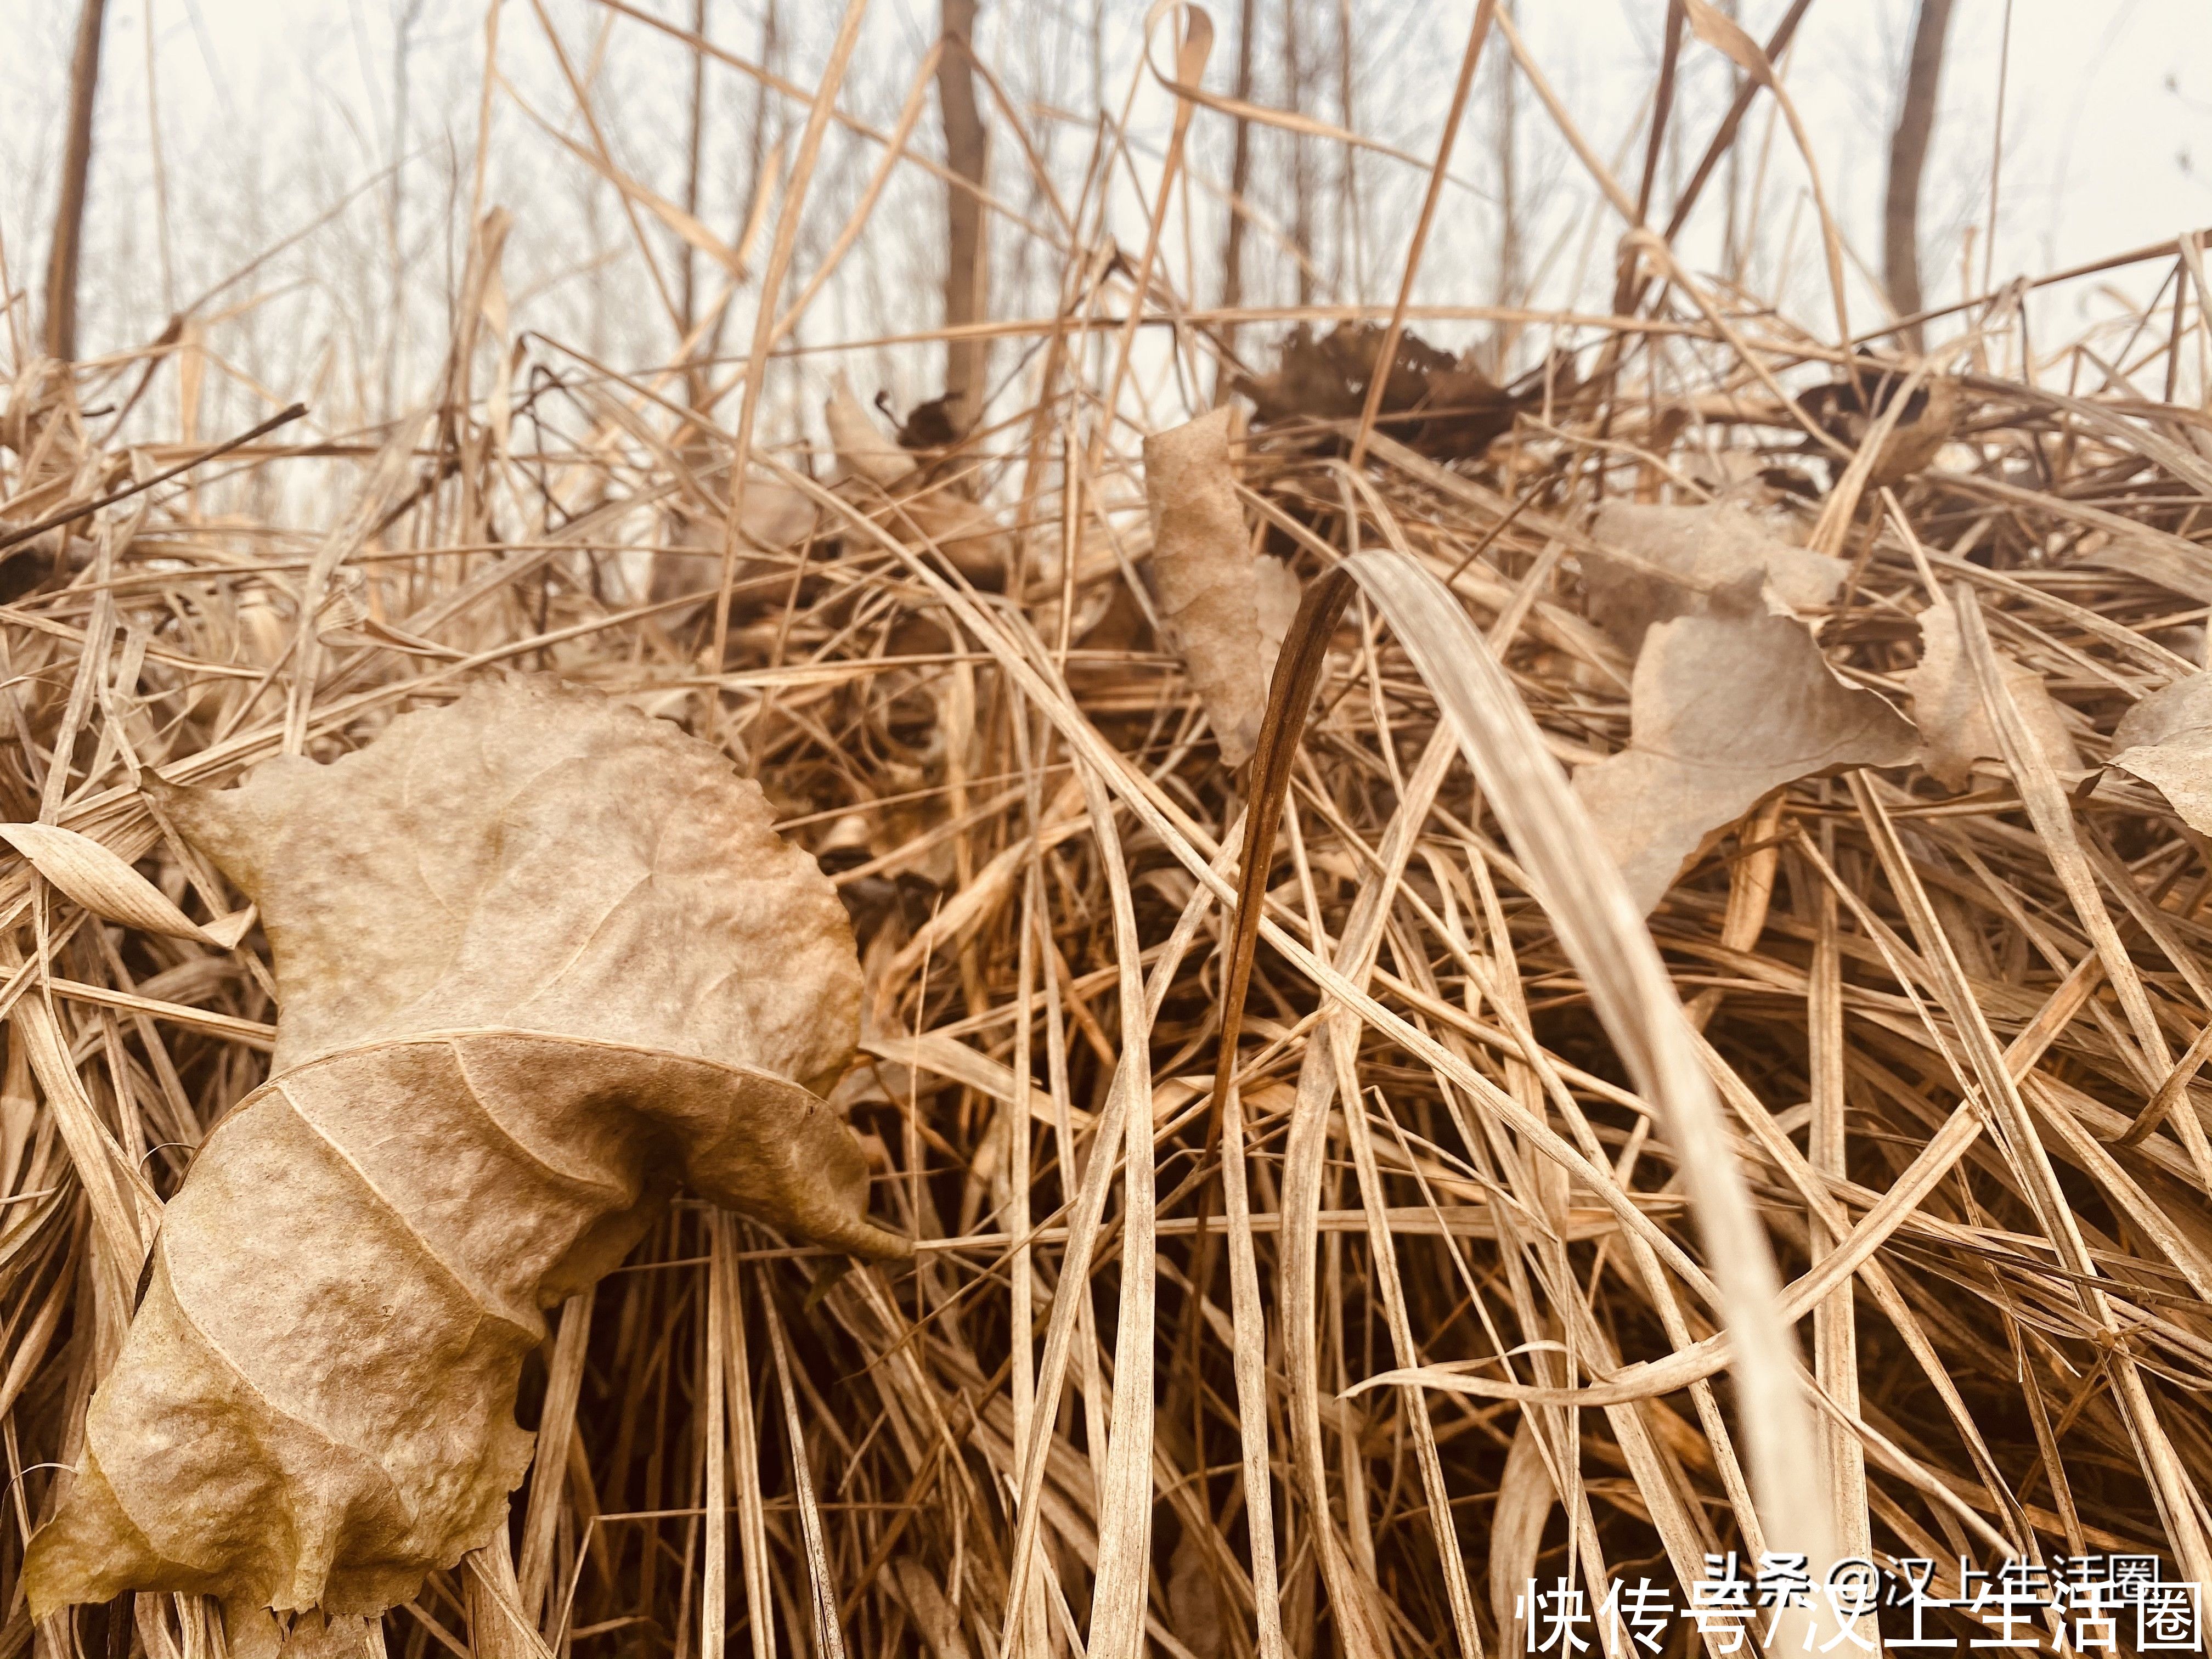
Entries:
{"x":1225,"y":610}
{"x":863,"y":447}
{"x":538,"y":957}
{"x":1678,"y":557}
{"x":1462,"y":409}
{"x":1722,"y":709}
{"x":101,"y":882}
{"x":1947,"y":706}
{"x":2166,"y":741}
{"x":1849,"y":408}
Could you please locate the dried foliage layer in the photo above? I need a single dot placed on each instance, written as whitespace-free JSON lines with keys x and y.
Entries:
{"x":1425,"y":1311}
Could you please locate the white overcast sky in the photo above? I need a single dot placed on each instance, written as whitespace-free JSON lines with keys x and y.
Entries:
{"x":270,"y":111}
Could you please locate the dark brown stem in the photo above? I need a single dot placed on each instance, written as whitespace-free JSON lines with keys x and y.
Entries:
{"x":1294,"y":99}
{"x":77,"y":174}
{"x":1908,"y":155}
{"x":1240,"y":181}
{"x":967,"y":272}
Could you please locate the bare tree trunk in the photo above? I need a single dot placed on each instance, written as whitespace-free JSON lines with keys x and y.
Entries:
{"x":1351,"y":252}
{"x":1294,"y":88}
{"x":763,"y":109}
{"x":1908,"y":155}
{"x":690,"y":292}
{"x":1240,"y":180}
{"x":395,"y":344}
{"x":1509,"y":214}
{"x":76,"y":172}
{"x":966,"y":267}
{"x":696,"y":375}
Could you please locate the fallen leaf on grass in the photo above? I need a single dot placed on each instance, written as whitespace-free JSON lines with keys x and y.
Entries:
{"x":538,"y":958}
{"x":1460,"y":408}
{"x":1225,"y":610}
{"x":2166,"y":741}
{"x":1947,"y":706}
{"x":1848,"y":409}
{"x":1679,"y":557}
{"x":1723,"y":709}
{"x":864,"y":447}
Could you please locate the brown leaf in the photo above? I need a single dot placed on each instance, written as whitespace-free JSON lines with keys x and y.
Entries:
{"x":1670,"y":562}
{"x":1225,"y":610}
{"x":863,"y":447}
{"x":2166,"y":741}
{"x":1722,"y":709}
{"x":1947,"y":706}
{"x":538,"y":958}
{"x":1326,"y":378}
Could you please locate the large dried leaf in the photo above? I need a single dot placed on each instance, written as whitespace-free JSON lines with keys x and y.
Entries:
{"x":1947,"y":706}
{"x":2166,"y":741}
{"x":539,"y":957}
{"x":1226,"y":611}
{"x":1722,"y":709}
{"x":1677,"y":558}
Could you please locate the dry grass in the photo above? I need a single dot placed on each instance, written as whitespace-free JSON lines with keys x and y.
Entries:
{"x":1930,"y":1019}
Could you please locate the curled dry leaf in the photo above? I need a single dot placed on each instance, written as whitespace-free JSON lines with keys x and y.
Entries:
{"x":1722,"y":709}
{"x":101,"y":882}
{"x":539,"y":959}
{"x":1225,"y":610}
{"x":1679,"y":557}
{"x":1947,"y":706}
{"x":1849,"y":409}
{"x":2166,"y":741}
{"x":864,"y":447}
